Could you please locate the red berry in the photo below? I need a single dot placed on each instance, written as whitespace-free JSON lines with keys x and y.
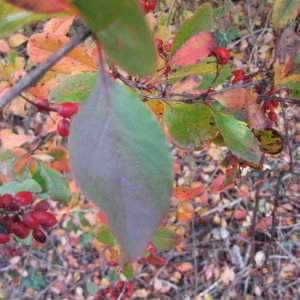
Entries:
{"x":67,"y":109}
{"x":7,"y":201}
{"x":152,"y":250}
{"x":22,"y":198}
{"x":237,"y":73}
{"x":7,"y":222}
{"x":159,"y":44}
{"x":275,"y":103}
{"x":4,"y":238}
{"x":45,"y":218}
{"x":30,"y":221}
{"x":129,"y":289}
{"x":272,"y":116}
{"x":43,"y":205}
{"x":222,"y":56}
{"x":167,"y":70}
{"x":63,"y":127}
{"x":267,"y":105}
{"x":152,"y":5}
{"x":237,"y":79}
{"x":243,"y":165}
{"x":42,"y":105}
{"x":168,"y":47}
{"x":119,"y":286}
{"x":20,"y":230}
{"x":39,"y":235}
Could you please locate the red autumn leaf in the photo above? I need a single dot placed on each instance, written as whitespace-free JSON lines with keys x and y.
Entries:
{"x":195,"y":49}
{"x":154,"y":260}
{"x":44,"y":6}
{"x":183,"y":193}
{"x":217,"y":183}
{"x":240,"y":214}
{"x":264,"y":223}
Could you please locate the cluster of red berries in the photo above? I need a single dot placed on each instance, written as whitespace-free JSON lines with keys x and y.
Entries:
{"x":266,"y":106}
{"x":148,"y":5}
{"x":232,"y":163}
{"x":163,"y":50}
{"x":65,"y":110}
{"x":120,"y":288}
{"x":269,"y":106}
{"x":222,"y":56}
{"x":18,"y":216}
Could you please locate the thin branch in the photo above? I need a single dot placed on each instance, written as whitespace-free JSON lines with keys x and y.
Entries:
{"x":40,"y":70}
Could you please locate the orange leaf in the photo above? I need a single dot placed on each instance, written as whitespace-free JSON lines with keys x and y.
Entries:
{"x":234,"y":99}
{"x":195,"y":49}
{"x":184,"y":267}
{"x":59,"y":26}
{"x":255,"y":117}
{"x":44,"y":6}
{"x":187,"y":85}
{"x":11,"y":140}
{"x":17,"y":39}
{"x":21,"y":163}
{"x":185,"y":211}
{"x":4,"y":48}
{"x":46,"y":84}
{"x":183,"y":193}
{"x":42,"y":45}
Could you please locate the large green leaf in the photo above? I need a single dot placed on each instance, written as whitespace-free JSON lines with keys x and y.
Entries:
{"x":202,"y":20}
{"x":12,"y":18}
{"x":122,"y":31}
{"x":120,"y":159}
{"x":52,"y":183}
{"x":74,"y":88}
{"x":190,"y":126}
{"x":238,"y":137}
{"x":165,"y":239}
{"x":284,"y":11}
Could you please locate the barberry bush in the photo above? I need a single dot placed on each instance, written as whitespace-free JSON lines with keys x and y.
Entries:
{"x":117,"y":83}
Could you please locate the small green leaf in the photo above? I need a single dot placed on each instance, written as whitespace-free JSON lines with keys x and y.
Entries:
{"x":29,"y":185}
{"x":190,"y":126}
{"x":113,"y":275}
{"x":52,"y":183}
{"x":238,"y":137}
{"x":104,"y":235}
{"x":122,"y":31}
{"x":284,"y":11}
{"x":112,"y":136}
{"x":127,"y":269}
{"x":165,"y":239}
{"x":73,"y":88}
{"x":12,"y":18}
{"x":86,"y":238}
{"x":92,"y":288}
{"x":202,"y":20}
